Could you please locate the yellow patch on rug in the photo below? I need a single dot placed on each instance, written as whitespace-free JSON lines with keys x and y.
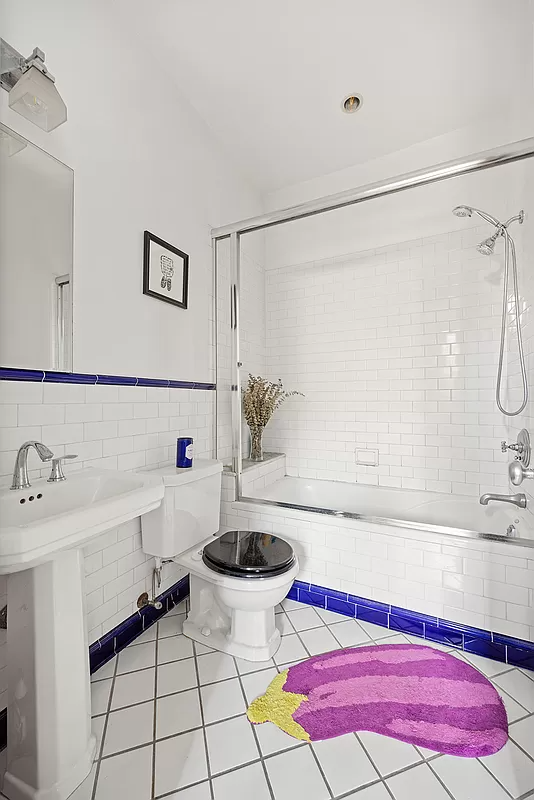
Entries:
{"x":278,"y":707}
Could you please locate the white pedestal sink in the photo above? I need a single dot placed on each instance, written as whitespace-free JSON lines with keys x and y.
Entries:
{"x":50,"y":746}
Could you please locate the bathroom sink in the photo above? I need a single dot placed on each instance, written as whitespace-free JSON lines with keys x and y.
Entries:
{"x":37,"y":522}
{"x":50,"y":747}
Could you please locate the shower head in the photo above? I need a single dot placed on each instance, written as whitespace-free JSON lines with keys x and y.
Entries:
{"x":462,"y":211}
{"x":468,"y":211}
{"x":487,"y":247}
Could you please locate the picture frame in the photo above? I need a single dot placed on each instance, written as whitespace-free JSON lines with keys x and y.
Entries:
{"x":165,"y":271}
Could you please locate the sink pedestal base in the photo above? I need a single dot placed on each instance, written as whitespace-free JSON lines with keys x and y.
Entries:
{"x":50,"y":746}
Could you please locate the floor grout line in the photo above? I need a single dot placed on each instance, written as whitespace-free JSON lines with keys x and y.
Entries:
{"x":155,"y":722}
{"x":531,"y":758}
{"x":437,"y":777}
{"x":321,"y":770}
{"x":98,"y":760}
{"x":208,"y":767}
{"x":418,"y":763}
{"x":353,"y":793}
{"x":263,"y":759}
{"x":173,"y":793}
{"x":255,"y":735}
{"x":494,"y":778}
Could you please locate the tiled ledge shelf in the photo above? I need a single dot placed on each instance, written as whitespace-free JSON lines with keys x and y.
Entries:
{"x":518,"y":652}
{"x":39,"y":376}
{"x":247,"y":464}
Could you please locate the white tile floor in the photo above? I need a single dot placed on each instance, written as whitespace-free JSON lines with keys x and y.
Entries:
{"x":170,"y":721}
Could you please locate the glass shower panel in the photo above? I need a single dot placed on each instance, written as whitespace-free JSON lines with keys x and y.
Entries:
{"x":387,"y":318}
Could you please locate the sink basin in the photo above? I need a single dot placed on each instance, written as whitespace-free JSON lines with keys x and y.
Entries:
{"x":69,"y":513}
{"x":50,"y":747}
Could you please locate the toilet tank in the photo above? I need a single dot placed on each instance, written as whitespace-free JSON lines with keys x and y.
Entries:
{"x":189,"y":512}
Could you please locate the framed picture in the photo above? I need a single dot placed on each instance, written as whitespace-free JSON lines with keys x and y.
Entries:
{"x":165,"y":271}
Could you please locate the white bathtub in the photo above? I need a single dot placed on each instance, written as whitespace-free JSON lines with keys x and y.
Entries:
{"x":430,"y":511}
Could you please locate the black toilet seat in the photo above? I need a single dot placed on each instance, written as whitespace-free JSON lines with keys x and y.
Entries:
{"x":249,"y":554}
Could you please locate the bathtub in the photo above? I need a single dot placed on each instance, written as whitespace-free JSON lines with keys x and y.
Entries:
{"x":449,"y":514}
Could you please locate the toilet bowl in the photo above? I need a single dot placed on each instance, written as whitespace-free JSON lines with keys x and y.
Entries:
{"x":232,"y":613}
{"x":236,"y":578}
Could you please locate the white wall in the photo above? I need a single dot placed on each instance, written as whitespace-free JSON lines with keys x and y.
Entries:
{"x":409,"y":215}
{"x":142,"y":160}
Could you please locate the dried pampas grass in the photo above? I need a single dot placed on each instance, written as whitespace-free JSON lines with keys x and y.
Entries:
{"x":261,"y":398}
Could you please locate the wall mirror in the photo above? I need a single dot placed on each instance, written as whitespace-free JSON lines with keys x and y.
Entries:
{"x":36,"y":251}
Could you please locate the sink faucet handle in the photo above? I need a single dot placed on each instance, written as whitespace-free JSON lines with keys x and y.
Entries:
{"x":57,"y":473}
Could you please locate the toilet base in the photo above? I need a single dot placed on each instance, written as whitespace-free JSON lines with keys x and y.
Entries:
{"x":216,"y":620}
{"x":219,"y":639}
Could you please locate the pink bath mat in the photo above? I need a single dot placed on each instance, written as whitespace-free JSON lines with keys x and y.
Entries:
{"x":409,"y":692}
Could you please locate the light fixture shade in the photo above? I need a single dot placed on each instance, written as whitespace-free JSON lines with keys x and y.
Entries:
{"x":35,"y":97}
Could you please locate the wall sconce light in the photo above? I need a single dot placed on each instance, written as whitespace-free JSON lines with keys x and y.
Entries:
{"x":31,"y":87}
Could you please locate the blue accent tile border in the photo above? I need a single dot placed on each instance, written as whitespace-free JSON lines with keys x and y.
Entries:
{"x":516,"y":652}
{"x":13,"y":374}
{"x":101,"y":651}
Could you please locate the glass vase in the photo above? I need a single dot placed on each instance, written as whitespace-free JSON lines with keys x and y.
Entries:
{"x":256,"y":443}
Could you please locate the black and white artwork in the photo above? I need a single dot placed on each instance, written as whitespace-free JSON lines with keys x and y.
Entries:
{"x":165,"y":271}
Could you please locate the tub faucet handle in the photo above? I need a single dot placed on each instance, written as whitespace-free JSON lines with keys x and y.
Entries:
{"x":521,"y":448}
{"x":518,"y":473}
{"x":516,"y":446}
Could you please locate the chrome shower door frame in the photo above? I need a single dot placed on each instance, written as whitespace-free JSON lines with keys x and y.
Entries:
{"x":488,"y":159}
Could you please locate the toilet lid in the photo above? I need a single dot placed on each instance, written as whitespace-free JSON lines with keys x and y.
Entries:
{"x":249,"y":554}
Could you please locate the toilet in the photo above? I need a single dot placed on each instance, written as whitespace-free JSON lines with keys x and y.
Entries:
{"x":236,"y":578}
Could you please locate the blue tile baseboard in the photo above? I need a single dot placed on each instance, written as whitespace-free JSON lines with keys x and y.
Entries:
{"x":101,"y":651}
{"x":13,"y":374}
{"x":516,"y":652}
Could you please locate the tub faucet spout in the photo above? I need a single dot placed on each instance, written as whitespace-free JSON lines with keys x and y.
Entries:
{"x":519,"y":500}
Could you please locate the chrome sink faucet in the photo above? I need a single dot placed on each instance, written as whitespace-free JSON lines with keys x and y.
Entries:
{"x":519,"y":500}
{"x":20,"y":473}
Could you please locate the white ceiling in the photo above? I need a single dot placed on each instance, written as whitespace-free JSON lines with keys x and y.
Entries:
{"x":268,"y":76}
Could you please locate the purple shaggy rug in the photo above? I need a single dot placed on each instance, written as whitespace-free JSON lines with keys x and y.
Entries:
{"x":410,"y":692}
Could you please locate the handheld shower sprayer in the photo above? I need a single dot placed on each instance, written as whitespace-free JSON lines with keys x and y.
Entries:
{"x":487,"y":248}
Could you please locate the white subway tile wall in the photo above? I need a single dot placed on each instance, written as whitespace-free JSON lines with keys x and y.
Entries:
{"x":395,"y":350}
{"x":480,"y":583}
{"x":125,"y":428}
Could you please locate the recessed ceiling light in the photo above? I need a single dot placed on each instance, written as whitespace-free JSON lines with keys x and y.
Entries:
{"x":351,"y":103}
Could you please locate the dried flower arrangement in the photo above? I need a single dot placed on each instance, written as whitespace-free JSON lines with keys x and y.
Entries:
{"x":261,"y":398}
